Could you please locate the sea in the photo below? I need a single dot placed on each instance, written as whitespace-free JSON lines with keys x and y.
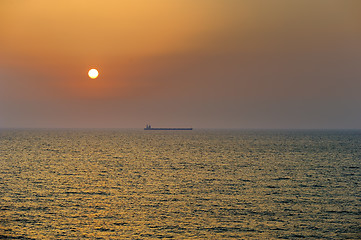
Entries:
{"x":200,"y":184}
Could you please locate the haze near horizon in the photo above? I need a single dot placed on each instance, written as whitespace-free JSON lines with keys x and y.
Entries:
{"x":205,"y":64}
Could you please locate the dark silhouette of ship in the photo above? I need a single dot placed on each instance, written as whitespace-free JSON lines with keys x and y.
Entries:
{"x":149,"y":127}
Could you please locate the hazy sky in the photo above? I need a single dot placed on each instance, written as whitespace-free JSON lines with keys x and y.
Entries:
{"x":204,"y":63}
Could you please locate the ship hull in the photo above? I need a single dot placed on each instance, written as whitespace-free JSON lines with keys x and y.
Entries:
{"x":170,"y":129}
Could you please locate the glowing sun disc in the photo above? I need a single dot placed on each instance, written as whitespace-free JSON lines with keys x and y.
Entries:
{"x":93,"y":73}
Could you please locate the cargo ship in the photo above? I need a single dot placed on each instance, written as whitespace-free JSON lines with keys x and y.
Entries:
{"x":149,"y":127}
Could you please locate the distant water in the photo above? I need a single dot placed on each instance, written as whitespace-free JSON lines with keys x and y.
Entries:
{"x":134,"y":184}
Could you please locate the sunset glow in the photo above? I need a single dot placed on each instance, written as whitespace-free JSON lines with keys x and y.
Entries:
{"x":211,"y":64}
{"x":182,"y":119}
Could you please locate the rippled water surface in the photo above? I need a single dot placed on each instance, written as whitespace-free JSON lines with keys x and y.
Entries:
{"x":202,"y":184}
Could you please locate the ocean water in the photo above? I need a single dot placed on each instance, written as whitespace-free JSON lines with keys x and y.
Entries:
{"x":201,"y":184}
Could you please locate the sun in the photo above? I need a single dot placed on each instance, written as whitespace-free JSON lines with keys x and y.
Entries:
{"x":93,"y":73}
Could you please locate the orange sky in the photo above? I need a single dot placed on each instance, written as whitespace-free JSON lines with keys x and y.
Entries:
{"x":206,"y":63}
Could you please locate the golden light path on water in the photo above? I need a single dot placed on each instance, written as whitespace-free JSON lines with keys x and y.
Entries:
{"x":134,"y":184}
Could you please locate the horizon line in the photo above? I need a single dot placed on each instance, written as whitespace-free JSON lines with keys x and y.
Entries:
{"x":194,"y":128}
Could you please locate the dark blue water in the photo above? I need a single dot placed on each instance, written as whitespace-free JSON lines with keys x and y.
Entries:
{"x":202,"y":184}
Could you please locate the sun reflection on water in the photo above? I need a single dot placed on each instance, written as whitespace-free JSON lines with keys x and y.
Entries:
{"x":202,"y":184}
